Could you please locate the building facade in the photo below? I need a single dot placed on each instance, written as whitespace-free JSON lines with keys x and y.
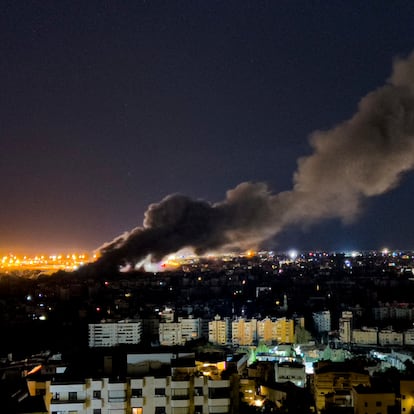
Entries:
{"x":322,"y":321}
{"x":244,"y":331}
{"x":345,"y":327}
{"x":219,"y":331}
{"x":178,"y":333}
{"x":113,"y":334}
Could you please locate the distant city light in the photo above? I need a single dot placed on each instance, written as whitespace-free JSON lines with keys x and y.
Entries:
{"x":43,"y":262}
{"x":293,"y":254}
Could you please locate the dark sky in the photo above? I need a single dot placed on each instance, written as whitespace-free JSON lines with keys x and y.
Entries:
{"x":108,"y":106}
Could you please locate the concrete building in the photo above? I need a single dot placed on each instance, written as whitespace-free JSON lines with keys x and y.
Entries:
{"x":190,"y":328}
{"x":322,"y":321}
{"x":336,"y":378}
{"x":390,"y":337}
{"x":284,"y":332}
{"x":219,"y":331}
{"x":170,"y":334}
{"x":409,"y":337}
{"x":365,"y":336}
{"x":251,"y":331}
{"x":185,"y":390}
{"x":178,"y":333}
{"x":369,"y":400}
{"x":345,"y":327}
{"x":266,"y":330}
{"x":125,"y":332}
{"x":244,"y":331}
{"x":407,"y":395}
{"x":290,"y":371}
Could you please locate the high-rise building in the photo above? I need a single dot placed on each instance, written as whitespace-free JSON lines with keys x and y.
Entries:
{"x":178,"y":333}
{"x":345,"y":327}
{"x":280,"y":330}
{"x":322,"y":321}
{"x":244,"y":331}
{"x":175,"y":393}
{"x":266,"y":329}
{"x":190,"y":328}
{"x":285,"y":331}
{"x":219,"y":331}
{"x":170,"y":333}
{"x":111,"y":334}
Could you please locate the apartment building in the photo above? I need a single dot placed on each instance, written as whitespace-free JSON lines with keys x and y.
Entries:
{"x":337,"y":378}
{"x":322,"y":321}
{"x":369,"y":400}
{"x":365,"y":336}
{"x":219,"y":331}
{"x":345,"y":327}
{"x":178,"y":333}
{"x":244,"y":331}
{"x":290,"y":371}
{"x":407,"y":395}
{"x":110,"y":334}
{"x":280,"y":330}
{"x":390,"y":337}
{"x":185,"y":390}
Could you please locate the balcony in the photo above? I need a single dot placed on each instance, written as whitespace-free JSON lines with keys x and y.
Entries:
{"x":66,"y":405}
{"x":180,"y":384}
{"x":180,"y":403}
{"x":117,"y":403}
{"x":180,"y":397}
{"x":137,"y":401}
{"x":214,"y":402}
{"x":198,"y":400}
{"x":219,"y":409}
{"x":161,"y":400}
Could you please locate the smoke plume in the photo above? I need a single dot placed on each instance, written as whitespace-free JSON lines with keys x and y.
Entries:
{"x":362,"y":157}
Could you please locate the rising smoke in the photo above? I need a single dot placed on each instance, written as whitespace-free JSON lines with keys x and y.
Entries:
{"x":363,"y":157}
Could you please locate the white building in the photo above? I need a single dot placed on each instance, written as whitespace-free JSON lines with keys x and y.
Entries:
{"x":365,"y":336}
{"x":114,"y":334}
{"x":190,"y":328}
{"x":178,"y":333}
{"x":409,"y":337}
{"x":345,"y":327}
{"x":322,"y":321}
{"x":390,"y":337}
{"x":174,"y":394}
{"x":290,"y":371}
{"x":170,"y":334}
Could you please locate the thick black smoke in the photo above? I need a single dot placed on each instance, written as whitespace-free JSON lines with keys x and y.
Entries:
{"x":363,"y":157}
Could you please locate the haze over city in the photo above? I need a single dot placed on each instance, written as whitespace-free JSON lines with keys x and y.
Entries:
{"x":109,"y":108}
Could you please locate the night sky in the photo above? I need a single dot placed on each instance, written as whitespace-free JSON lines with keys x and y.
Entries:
{"x":108,"y":106}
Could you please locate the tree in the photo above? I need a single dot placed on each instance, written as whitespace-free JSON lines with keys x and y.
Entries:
{"x":302,"y":336}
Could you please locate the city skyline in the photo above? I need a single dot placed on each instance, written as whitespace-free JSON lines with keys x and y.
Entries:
{"x":109,"y":108}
